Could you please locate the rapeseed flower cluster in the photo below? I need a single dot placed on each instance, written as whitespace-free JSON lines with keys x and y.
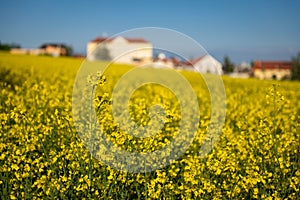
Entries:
{"x":43,"y":157}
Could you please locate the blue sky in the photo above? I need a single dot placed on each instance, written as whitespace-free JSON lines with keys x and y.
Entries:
{"x":243,"y":30}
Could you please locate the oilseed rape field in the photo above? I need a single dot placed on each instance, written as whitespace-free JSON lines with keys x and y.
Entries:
{"x":43,"y":155}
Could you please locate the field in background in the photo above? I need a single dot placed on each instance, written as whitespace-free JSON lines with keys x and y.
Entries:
{"x":42,"y":156}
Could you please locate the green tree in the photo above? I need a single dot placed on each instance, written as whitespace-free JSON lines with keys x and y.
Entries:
{"x":296,"y":67}
{"x":69,"y":50}
{"x":8,"y":47}
{"x":227,"y":65}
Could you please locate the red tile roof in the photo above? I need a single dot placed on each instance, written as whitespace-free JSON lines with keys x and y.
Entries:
{"x":174,"y":61}
{"x":272,"y":65}
{"x":108,"y":39}
{"x":194,"y":61}
{"x":101,"y":39}
{"x":136,"y":40}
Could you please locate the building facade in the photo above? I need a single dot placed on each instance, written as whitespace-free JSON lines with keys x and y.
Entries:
{"x":52,"y":49}
{"x":207,"y":65}
{"x":277,"y":70}
{"x":120,"y":49}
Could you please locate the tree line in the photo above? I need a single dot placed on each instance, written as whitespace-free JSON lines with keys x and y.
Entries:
{"x":8,"y":47}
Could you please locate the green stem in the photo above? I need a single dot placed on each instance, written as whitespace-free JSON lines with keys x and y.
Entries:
{"x":91,"y":143}
{"x":275,"y":112}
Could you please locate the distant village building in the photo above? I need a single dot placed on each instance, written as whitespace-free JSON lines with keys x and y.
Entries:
{"x":204,"y":64}
{"x":120,"y":49}
{"x":19,"y":51}
{"x":207,"y":64}
{"x":46,"y":49}
{"x":243,"y":67}
{"x":54,"y":49}
{"x":239,"y":74}
{"x":242,"y":70}
{"x":272,"y":69}
{"x":162,"y":61}
{"x":27,"y":51}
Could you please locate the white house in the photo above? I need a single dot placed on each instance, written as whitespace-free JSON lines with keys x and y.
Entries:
{"x":120,"y":49}
{"x":207,"y":64}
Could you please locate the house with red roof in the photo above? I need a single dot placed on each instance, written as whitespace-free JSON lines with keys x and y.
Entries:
{"x":272,"y":69}
{"x":206,"y":64}
{"x":120,"y":49}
